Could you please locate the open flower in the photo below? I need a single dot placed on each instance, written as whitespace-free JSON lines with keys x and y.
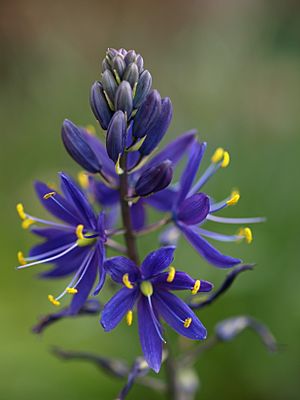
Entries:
{"x":191,"y":209}
{"x":75,"y":246}
{"x":149,"y":288}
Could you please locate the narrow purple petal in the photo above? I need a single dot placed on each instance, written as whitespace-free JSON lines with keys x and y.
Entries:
{"x":190,"y":170}
{"x":117,"y":307}
{"x":181,"y":281}
{"x":157,"y":261}
{"x":104,"y":195}
{"x":151,"y":343}
{"x":162,"y":201}
{"x":84,"y":209}
{"x":174,"y":311}
{"x":85,"y":285}
{"x":210,"y":253}
{"x":175,"y":150}
{"x":116,"y":267}
{"x":194,"y":209}
{"x":138,"y":215}
{"x":68,"y":213}
{"x":100,"y":253}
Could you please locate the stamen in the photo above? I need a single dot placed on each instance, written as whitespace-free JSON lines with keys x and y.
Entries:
{"x":155,"y":321}
{"x":21,"y":258}
{"x":83,"y":179}
{"x":49,"y":195}
{"x":53,"y":300}
{"x":218,"y":155}
{"x":187,"y":322}
{"x":247,"y":234}
{"x":235,"y":197}
{"x":129,"y":318}
{"x":118,"y":169}
{"x":196,"y":286}
{"x":226,"y":159}
{"x":127,"y":282}
{"x":20,"y":211}
{"x":26,"y":223}
{"x":79,"y":231}
{"x":146,"y":288}
{"x":171,"y":275}
{"x":71,"y":290}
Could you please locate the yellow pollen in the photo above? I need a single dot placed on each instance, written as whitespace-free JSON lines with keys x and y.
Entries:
{"x":83,"y":179}
{"x":235,"y":197}
{"x":53,"y":300}
{"x":20,"y":211}
{"x":226,"y":159}
{"x":247,"y":234}
{"x":196,"y":286}
{"x":48,"y":195}
{"x":71,"y":290}
{"x":21,"y":258}
{"x":79,"y":231}
{"x":171,"y":274}
{"x":91,"y":129}
{"x":26,"y":223}
{"x":127,"y":282}
{"x":218,"y":155}
{"x":187,"y":322}
{"x":129,"y":318}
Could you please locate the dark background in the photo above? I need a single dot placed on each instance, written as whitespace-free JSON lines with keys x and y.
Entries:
{"x":231,"y":69}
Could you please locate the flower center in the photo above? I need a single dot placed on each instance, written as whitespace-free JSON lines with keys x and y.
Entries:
{"x":146,"y":288}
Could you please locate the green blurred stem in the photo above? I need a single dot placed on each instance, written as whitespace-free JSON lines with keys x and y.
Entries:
{"x":125,"y":211}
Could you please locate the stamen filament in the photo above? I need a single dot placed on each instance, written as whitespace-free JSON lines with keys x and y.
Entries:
{"x":225,"y":220}
{"x":48,"y":259}
{"x":155,"y":321}
{"x":48,"y":253}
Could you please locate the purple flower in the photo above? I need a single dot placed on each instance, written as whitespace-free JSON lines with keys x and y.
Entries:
{"x":75,"y":245}
{"x":190,"y":209}
{"x":149,"y":288}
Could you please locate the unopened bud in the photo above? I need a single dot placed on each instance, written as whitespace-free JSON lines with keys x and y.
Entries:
{"x":154,"y":179}
{"x":142,"y":89}
{"x":109,"y":84}
{"x":147,"y":114}
{"x":123,"y":98}
{"x":116,"y":136}
{"x":99,"y":105}
{"x":130,"y":57}
{"x":131,"y":74}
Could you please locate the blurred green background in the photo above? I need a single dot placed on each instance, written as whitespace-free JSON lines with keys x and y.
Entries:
{"x":232,"y":70}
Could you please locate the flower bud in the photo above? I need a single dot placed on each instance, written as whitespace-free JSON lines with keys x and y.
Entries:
{"x":78,"y":148}
{"x":139,"y":62}
{"x":147,"y":114}
{"x":111,"y":53}
{"x":142,"y":89}
{"x":116,"y":135}
{"x":131,"y":74}
{"x":123,"y":98}
{"x":109,"y":84}
{"x":159,"y":128}
{"x":105,"y":65}
{"x":99,"y":105}
{"x":154,"y":179}
{"x":123,"y":52}
{"x":118,"y":65}
{"x":130,"y":57}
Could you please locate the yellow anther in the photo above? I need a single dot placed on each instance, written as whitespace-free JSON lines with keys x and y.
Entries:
{"x":218,"y":155}
{"x":20,"y":211}
{"x":129,"y":317}
{"x":196,"y":286}
{"x":146,"y":288}
{"x":71,"y":290}
{"x":91,"y":129}
{"x":171,"y":274}
{"x":127,"y":282}
{"x":118,"y":169}
{"x":235,"y":197}
{"x":247,"y":234}
{"x":53,"y":300}
{"x":83,"y":179}
{"x":79,"y":231}
{"x":26,"y":223}
{"x":48,"y":195}
{"x":187,"y":322}
{"x":226,"y":159}
{"x":21,"y":258}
